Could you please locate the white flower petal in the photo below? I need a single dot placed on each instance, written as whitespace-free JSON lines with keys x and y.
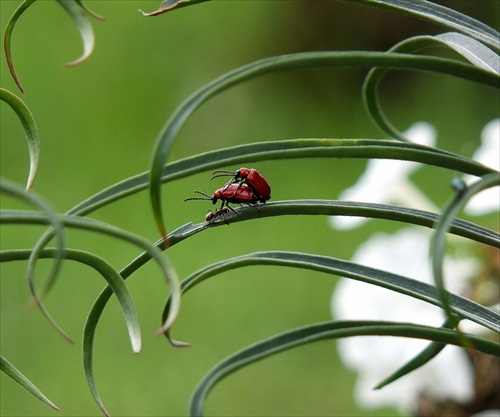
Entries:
{"x":487,"y":413}
{"x":448,"y":375}
{"x":488,"y":154}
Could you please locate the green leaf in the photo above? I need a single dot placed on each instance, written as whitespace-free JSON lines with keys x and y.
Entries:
{"x":461,"y":306}
{"x":475,"y":52}
{"x":430,"y":352}
{"x":168,"y":5}
{"x":438,"y":243}
{"x":271,"y":209}
{"x":106,"y":270}
{"x":440,"y":15}
{"x":322,"y":331}
{"x":79,"y":15}
{"x":422,"y":9}
{"x":284,"y":149}
{"x":28,"y":122}
{"x":52,"y":218}
{"x":7,"y":38}
{"x":289,"y":62}
{"x":340,"y":208}
{"x":29,"y":217}
{"x":472,"y":50}
{"x":12,"y":372}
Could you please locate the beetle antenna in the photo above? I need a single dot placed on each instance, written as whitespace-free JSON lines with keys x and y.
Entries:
{"x":196,"y":198}
{"x":223,"y":170}
{"x":225,"y":174}
{"x":199,"y":198}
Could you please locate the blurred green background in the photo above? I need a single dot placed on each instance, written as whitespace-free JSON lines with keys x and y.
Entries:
{"x":98,"y":124}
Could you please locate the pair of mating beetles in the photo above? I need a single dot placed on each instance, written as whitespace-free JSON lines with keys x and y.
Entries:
{"x":247,"y":186}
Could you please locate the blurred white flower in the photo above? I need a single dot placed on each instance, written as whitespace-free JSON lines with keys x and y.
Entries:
{"x":488,"y":413}
{"x":449,"y":375}
{"x":387,"y":181}
{"x":488,"y":154}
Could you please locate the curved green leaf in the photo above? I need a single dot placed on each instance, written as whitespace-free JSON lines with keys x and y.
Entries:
{"x":90,"y":12}
{"x":470,"y":49}
{"x":168,"y":5}
{"x":270,"y":209}
{"x":78,"y":14}
{"x":107,"y":271}
{"x":28,"y":122}
{"x":284,"y":149}
{"x":322,"y":331}
{"x":461,"y":306}
{"x":438,"y":243}
{"x":12,"y":372}
{"x":422,"y":9}
{"x":29,"y":217}
{"x":8,"y":36}
{"x":341,"y":208}
{"x":52,"y":218}
{"x":440,"y":15}
{"x":430,"y":352}
{"x":289,"y":62}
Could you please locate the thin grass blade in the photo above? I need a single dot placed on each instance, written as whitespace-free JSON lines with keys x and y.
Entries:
{"x":13,"y":373}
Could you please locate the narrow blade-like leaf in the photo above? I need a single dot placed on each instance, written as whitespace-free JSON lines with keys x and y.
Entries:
{"x":31,"y":131}
{"x":440,"y":15}
{"x":438,"y":243}
{"x":52,"y":218}
{"x":322,"y":331}
{"x":286,"y":63}
{"x":475,"y":52}
{"x":461,"y":306}
{"x":12,"y":372}
{"x":82,"y":22}
{"x":110,"y":274}
{"x":168,"y":5}
{"x":8,"y":36}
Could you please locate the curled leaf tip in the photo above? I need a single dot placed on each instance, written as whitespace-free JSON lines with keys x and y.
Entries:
{"x":179,"y":343}
{"x":136,"y":346}
{"x":91,"y":12}
{"x":165,"y":7}
{"x":78,"y":12}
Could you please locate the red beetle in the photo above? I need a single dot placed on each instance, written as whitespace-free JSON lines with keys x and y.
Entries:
{"x":252,"y":178}
{"x":230,"y":193}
